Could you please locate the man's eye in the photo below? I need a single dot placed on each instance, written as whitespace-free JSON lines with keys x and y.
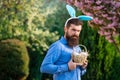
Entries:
{"x":73,"y":29}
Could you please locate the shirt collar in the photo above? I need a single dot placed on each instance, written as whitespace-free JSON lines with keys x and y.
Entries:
{"x":63,"y":40}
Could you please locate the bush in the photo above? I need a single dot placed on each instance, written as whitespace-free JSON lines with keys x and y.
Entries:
{"x":14,"y":60}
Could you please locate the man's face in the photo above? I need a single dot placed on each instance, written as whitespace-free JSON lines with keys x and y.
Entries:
{"x":72,"y":34}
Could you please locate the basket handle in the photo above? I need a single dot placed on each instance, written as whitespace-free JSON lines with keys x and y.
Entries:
{"x":83,"y":47}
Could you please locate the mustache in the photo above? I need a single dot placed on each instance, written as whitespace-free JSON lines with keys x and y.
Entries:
{"x":75,"y":36}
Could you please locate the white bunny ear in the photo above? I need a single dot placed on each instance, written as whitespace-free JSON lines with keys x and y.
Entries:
{"x":71,"y":11}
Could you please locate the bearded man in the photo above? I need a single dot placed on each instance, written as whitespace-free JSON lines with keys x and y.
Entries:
{"x":58,"y":58}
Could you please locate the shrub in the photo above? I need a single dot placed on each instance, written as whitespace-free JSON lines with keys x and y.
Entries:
{"x":14,"y":60}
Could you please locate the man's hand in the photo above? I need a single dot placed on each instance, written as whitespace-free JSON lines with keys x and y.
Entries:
{"x":71,"y":65}
{"x":85,"y":64}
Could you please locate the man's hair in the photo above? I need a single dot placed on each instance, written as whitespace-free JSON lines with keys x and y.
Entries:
{"x":74,"y":21}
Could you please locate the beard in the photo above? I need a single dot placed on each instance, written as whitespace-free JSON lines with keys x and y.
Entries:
{"x":72,"y":40}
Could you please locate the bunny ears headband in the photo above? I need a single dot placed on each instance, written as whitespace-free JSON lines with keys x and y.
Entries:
{"x":72,"y":13}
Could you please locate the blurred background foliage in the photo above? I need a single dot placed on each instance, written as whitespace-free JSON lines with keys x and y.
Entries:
{"x":38,"y":23}
{"x":14,"y":60}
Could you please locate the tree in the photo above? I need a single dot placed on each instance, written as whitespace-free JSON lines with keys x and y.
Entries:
{"x":25,"y":20}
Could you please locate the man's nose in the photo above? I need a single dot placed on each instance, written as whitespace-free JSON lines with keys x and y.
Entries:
{"x":75,"y":33}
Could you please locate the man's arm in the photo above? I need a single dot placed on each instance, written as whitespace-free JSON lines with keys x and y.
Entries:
{"x":48,"y":65}
{"x":83,"y":67}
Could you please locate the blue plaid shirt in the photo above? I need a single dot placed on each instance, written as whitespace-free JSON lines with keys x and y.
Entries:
{"x":56,"y":62}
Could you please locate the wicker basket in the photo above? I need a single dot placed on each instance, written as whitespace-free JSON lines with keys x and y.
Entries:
{"x":80,"y":57}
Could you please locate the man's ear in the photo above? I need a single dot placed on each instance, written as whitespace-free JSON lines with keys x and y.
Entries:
{"x":65,"y":29}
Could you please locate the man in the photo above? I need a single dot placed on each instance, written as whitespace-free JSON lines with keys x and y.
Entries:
{"x":58,"y":59}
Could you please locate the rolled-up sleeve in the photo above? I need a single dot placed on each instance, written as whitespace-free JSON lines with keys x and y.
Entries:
{"x":48,"y":65}
{"x":83,"y":71}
